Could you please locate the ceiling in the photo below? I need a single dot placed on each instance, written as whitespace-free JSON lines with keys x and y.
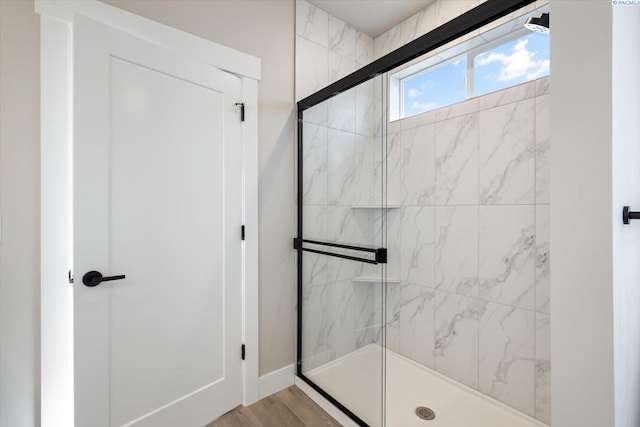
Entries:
{"x":373,"y":17}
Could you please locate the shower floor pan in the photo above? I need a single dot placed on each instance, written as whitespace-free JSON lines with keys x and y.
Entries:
{"x":354,"y":381}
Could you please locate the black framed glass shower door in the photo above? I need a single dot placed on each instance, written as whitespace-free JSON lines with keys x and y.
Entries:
{"x":341,"y":250}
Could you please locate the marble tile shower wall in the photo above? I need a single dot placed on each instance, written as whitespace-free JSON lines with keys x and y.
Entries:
{"x":473,"y":237}
{"x":327,"y":49}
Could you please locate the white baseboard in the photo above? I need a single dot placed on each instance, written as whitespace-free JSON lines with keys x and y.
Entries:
{"x":278,"y":380}
{"x":336,"y":413}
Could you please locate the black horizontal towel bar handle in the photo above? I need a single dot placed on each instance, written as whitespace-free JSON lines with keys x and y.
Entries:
{"x":94,"y":278}
{"x":380,"y":253}
{"x":340,"y":245}
{"x":627,"y":215}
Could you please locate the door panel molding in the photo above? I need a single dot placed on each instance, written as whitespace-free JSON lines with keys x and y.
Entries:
{"x":56,"y":195}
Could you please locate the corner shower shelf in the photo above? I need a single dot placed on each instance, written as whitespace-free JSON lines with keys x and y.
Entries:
{"x":375,"y":278}
{"x":375,"y":207}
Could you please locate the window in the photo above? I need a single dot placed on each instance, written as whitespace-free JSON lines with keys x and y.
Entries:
{"x":517,"y":61}
{"x":498,"y":59}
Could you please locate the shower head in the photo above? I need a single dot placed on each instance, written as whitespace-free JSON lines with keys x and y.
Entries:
{"x":539,"y":25}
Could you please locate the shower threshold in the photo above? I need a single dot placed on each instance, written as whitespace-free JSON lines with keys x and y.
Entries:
{"x":354,"y":381}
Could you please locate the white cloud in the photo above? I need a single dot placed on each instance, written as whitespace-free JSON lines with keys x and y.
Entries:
{"x":542,"y":69}
{"x":413,"y":93}
{"x":423,"y":106}
{"x":429,"y":84}
{"x":517,"y":64}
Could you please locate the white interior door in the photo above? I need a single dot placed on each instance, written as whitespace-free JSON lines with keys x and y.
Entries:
{"x":157,"y":198}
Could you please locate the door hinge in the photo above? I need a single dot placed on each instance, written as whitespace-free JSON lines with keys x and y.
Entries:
{"x":70,"y":277}
{"x":242,"y":232}
{"x":241,"y":104}
{"x":243,"y":351}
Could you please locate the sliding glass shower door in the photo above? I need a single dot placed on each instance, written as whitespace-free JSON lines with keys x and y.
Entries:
{"x":342,"y":251}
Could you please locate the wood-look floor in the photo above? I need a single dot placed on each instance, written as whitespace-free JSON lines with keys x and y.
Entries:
{"x":287,"y":408}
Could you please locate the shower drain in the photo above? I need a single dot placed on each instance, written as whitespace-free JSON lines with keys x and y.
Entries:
{"x":425,"y":413}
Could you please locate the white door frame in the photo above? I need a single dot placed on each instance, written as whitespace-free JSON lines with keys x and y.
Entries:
{"x":57,"y":17}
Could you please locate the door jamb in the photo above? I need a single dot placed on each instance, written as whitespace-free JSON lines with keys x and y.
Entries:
{"x":57,"y":19}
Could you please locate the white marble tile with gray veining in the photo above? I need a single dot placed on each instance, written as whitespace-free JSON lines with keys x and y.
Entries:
{"x":314,"y":165}
{"x":342,"y":38}
{"x":348,"y":226}
{"x":507,"y":339}
{"x":393,"y":243}
{"x":317,"y":114}
{"x":426,"y":20}
{"x":418,"y":120}
{"x":387,"y":226}
{"x":455,"y":110}
{"x":543,"y":369}
{"x":417,"y":306}
{"x":507,"y":96}
{"x":507,"y":166}
{"x":312,"y":67}
{"x":542,"y":144}
{"x":457,"y":161}
{"x":315,"y":269}
{"x":446,"y":10}
{"x":543,"y":259}
{"x":342,"y":111}
{"x":457,"y":249}
{"x":394,"y":169}
{"x":507,"y":246}
{"x":409,"y":27}
{"x":394,"y":126}
{"x":312,"y":23}
{"x":388,"y":41}
{"x":418,"y":245}
{"x":340,"y":66}
{"x":369,"y":171}
{"x":369,"y":107}
{"x":314,"y":266}
{"x":542,"y":86}
{"x":418,"y":166}
{"x":314,"y":222}
{"x":315,"y":324}
{"x":341,"y":168}
{"x":393,"y":317}
{"x":364,"y":49}
{"x":456,"y":336}
{"x":355,"y":316}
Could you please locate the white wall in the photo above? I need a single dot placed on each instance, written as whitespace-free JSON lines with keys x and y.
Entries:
{"x":582,"y":348}
{"x":626,"y":191}
{"x":19,"y":201}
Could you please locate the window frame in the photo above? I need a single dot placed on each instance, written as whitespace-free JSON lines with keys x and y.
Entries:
{"x":470,"y":54}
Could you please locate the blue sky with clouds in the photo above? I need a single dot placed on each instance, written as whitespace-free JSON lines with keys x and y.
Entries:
{"x":520,"y":60}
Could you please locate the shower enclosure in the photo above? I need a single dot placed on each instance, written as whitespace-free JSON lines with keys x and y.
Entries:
{"x":422,"y":256}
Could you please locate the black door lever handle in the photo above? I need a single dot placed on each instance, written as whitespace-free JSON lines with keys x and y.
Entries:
{"x":627,"y":215}
{"x":94,"y":278}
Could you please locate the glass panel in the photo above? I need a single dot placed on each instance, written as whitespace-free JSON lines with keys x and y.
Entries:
{"x":517,"y":61}
{"x":435,"y":88}
{"x":342,"y":299}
